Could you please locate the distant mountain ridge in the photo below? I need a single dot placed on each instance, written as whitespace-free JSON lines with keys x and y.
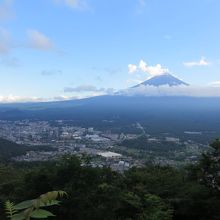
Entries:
{"x":161,"y":80}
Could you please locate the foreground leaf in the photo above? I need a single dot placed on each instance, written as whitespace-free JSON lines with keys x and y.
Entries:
{"x":24,"y":205}
{"x":40,"y":213}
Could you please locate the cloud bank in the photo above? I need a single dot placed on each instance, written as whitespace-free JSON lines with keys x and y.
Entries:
{"x":25,"y":99}
{"x":190,"y":91}
{"x":215,"y":84}
{"x":13,"y":99}
{"x":193,"y":91}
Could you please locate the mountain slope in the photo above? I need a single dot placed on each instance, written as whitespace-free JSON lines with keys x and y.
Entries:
{"x":118,"y":113}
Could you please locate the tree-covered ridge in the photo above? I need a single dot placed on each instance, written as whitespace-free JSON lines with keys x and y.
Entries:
{"x":9,"y":149}
{"x":151,"y":193}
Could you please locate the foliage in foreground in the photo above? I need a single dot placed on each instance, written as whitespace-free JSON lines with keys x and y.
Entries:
{"x":33,"y":208}
{"x":151,"y":193}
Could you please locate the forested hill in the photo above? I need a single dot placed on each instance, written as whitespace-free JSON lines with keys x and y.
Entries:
{"x":9,"y":149}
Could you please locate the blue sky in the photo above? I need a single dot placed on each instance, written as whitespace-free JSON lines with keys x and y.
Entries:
{"x":74,"y":48}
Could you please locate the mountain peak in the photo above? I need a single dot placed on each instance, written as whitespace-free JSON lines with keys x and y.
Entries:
{"x":161,"y":80}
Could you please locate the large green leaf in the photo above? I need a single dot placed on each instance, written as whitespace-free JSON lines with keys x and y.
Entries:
{"x":40,"y":213}
{"x":19,"y":216}
{"x":24,"y":205}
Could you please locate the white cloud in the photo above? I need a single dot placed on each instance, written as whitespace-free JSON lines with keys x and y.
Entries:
{"x":63,"y":98}
{"x":152,"y":70}
{"x":13,"y":98}
{"x":75,"y":4}
{"x":5,"y":42}
{"x":215,"y":84}
{"x":145,"y":68}
{"x":36,"y":40}
{"x":23,"y":99}
{"x":201,"y":62}
{"x":193,"y":91}
{"x":132,"y":68}
{"x":39,"y":41}
{"x":5,"y":10}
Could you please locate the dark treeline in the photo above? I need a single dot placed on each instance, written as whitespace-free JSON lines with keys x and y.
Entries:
{"x":151,"y":193}
{"x":9,"y":149}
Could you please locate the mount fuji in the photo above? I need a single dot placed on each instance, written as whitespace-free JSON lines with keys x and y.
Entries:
{"x":161,"y":80}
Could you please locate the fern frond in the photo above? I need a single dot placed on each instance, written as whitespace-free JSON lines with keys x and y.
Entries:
{"x":10,"y":209}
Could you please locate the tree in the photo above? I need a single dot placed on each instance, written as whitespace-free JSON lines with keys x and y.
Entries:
{"x":210,"y":166}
